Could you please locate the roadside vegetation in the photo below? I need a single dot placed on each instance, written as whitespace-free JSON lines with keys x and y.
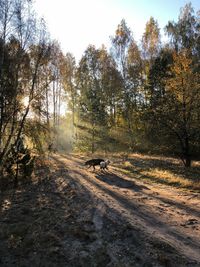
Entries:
{"x":161,"y":170}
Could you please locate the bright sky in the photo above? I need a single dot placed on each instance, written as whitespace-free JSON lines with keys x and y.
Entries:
{"x":78,"y":23}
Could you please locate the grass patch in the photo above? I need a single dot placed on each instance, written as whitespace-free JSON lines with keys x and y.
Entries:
{"x":170,"y":178}
{"x":161,"y":170}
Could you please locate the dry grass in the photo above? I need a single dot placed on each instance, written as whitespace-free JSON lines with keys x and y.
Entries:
{"x":158,"y":169}
{"x":171,"y":178}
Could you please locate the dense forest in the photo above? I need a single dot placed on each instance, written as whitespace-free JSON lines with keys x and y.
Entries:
{"x":135,"y":96}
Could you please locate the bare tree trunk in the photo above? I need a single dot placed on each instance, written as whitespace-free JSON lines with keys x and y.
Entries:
{"x":31,"y":97}
{"x":93,"y":137}
{"x":47,"y":102}
{"x":54,"y":105}
{"x":59,"y":104}
{"x":186,"y":153}
{"x":3,"y":40}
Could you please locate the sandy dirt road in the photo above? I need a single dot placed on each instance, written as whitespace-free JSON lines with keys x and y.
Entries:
{"x":164,"y":219}
{"x":72,"y":216}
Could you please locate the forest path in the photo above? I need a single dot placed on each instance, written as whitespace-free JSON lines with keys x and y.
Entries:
{"x":168,"y":218}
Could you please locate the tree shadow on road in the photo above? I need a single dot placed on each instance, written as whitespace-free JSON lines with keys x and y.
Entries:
{"x":117,"y":180}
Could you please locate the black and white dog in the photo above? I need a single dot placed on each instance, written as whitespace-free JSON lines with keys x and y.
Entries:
{"x":93,"y":162}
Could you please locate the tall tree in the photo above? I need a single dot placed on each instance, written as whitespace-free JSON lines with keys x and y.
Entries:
{"x":151,"y":39}
{"x":121,"y":42}
{"x":22,"y":53}
{"x":151,"y":45}
{"x":185,"y":33}
{"x":68,"y":71}
{"x":178,"y":110}
{"x":132,"y":95}
{"x":92,"y":108}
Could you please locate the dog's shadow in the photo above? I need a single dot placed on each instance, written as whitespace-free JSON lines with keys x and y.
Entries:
{"x":116,"y":180}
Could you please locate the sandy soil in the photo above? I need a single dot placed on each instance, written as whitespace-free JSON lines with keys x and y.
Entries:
{"x":81,"y":217}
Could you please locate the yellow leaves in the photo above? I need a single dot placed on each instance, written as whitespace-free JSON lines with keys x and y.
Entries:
{"x":183,"y":80}
{"x":134,"y":55}
{"x":120,"y":32}
{"x":182,"y":63}
{"x":151,"y":38}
